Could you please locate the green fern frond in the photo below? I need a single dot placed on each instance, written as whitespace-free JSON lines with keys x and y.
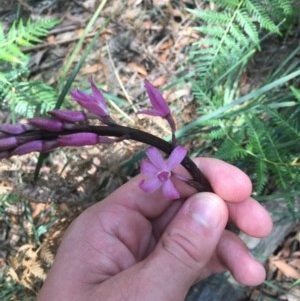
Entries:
{"x":289,"y":126}
{"x":231,"y":32}
{"x":260,"y":175}
{"x":257,"y":10}
{"x":245,"y":23}
{"x":20,"y":95}
{"x":261,"y":133}
{"x":29,"y":98}
{"x":20,"y":35}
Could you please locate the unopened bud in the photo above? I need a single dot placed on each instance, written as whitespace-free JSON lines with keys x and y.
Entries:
{"x":78,"y":139}
{"x":7,"y":143}
{"x":68,"y":115}
{"x":51,"y":125}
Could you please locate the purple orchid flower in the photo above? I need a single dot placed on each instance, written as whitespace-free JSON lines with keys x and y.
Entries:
{"x":94,"y":103}
{"x":159,"y":171}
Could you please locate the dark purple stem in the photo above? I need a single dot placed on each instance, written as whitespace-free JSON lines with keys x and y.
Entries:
{"x":199,"y":180}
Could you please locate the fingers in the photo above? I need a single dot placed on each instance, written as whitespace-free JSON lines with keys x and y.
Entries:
{"x":251,"y":217}
{"x":235,"y":256}
{"x":187,"y":244}
{"x":228,"y":181}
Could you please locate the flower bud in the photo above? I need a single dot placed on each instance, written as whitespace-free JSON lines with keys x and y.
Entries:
{"x":32,"y":146}
{"x":48,"y":124}
{"x":14,"y":129}
{"x":8,"y":143}
{"x":68,"y":115}
{"x":78,"y":139}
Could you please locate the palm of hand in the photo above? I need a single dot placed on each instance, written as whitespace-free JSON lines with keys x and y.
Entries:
{"x":114,"y":245}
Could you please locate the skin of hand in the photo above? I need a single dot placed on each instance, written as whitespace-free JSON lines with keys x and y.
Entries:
{"x":139,"y":246}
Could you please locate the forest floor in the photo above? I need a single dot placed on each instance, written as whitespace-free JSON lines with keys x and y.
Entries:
{"x":144,"y":39}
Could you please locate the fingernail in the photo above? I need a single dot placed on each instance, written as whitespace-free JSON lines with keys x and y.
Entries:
{"x":204,"y":210}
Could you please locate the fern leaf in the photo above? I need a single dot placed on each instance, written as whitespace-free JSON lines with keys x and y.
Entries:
{"x":260,"y":175}
{"x":245,"y":22}
{"x":3,"y":79}
{"x":21,"y":34}
{"x":256,"y":9}
{"x":289,"y":126}
{"x":232,"y":4}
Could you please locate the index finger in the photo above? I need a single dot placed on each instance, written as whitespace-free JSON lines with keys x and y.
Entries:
{"x":229,"y":182}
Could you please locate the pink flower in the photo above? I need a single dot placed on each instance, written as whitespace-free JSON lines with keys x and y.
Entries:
{"x":94,"y":103}
{"x":159,"y":171}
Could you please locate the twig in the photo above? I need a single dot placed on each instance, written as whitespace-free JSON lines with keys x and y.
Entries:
{"x":45,"y":45}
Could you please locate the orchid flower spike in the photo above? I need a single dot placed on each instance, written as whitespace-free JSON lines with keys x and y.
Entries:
{"x":159,"y":171}
{"x":160,"y":107}
{"x":95,"y":103}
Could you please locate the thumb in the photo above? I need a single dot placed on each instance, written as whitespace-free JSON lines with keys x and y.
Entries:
{"x":187,"y":245}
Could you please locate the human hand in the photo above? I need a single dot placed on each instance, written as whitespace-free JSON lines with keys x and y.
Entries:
{"x":139,"y":246}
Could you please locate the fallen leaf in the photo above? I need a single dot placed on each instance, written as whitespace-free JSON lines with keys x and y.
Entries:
{"x":169,"y":43}
{"x":159,"y":81}
{"x":138,"y":68}
{"x":91,"y":69}
{"x":285,"y":268}
{"x":295,"y":263}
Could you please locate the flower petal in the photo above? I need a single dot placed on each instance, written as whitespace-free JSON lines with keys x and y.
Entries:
{"x":155,"y":157}
{"x":89,"y":103}
{"x":150,"y":185}
{"x":157,"y":100}
{"x":169,"y":190}
{"x":80,"y":96}
{"x":176,"y":157}
{"x":98,"y":96}
{"x":148,"y":168}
